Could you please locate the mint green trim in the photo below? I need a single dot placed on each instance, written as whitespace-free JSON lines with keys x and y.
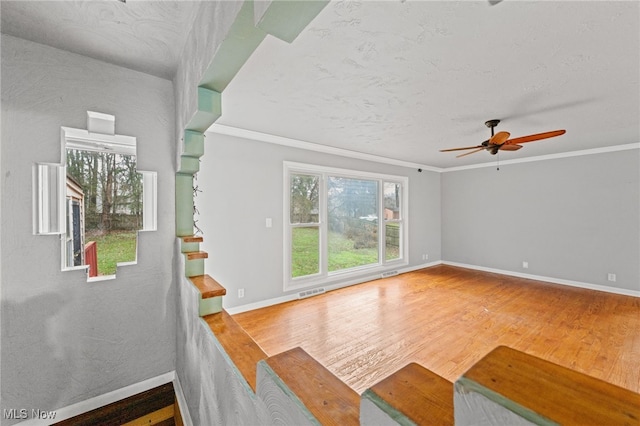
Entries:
{"x":241,"y":41}
{"x":209,"y":110}
{"x":193,"y":268}
{"x":189,"y":247}
{"x":184,"y":205}
{"x":193,"y":145}
{"x":388,"y":409}
{"x":287,"y":19}
{"x":465,"y":385}
{"x":189,"y":165}
{"x":209,"y":306}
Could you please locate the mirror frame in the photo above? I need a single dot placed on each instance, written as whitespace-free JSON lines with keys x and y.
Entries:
{"x":49,"y":184}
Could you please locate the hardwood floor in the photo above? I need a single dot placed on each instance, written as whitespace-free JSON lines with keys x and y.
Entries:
{"x":446,"y":318}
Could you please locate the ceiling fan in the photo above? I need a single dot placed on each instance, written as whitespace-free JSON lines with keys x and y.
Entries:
{"x":501,"y":141}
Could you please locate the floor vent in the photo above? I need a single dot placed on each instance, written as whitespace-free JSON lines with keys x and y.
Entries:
{"x":309,"y":293}
{"x":389,"y":274}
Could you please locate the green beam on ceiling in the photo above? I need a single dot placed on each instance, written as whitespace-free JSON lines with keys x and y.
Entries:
{"x":241,"y":41}
{"x":287,"y":19}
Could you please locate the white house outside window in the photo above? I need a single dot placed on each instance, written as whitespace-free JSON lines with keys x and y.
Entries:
{"x":341,"y":224}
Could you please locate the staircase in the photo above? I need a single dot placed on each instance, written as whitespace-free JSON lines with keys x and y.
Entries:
{"x":243,"y":385}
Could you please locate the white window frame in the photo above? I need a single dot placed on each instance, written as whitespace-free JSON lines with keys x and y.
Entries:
{"x":325,"y":277}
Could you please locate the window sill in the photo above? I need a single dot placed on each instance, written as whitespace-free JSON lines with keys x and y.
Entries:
{"x":351,"y":276}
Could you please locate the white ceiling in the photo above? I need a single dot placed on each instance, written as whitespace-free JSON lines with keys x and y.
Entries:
{"x":396,"y":79}
{"x":146,"y":36}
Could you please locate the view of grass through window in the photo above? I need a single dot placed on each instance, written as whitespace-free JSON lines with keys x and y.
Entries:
{"x":352,"y":222}
{"x":104,"y":210}
{"x":113,"y":247}
{"x":352,"y":210}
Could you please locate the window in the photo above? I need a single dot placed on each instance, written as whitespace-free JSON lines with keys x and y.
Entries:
{"x":104,"y":208}
{"x":341,"y":223}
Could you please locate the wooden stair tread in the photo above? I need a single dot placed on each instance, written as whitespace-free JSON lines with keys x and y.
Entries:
{"x":208,"y":286}
{"x":193,"y":255}
{"x":419,"y":394}
{"x":192,"y":239}
{"x":328,"y":398}
{"x":241,"y":348}
{"x":158,"y":402}
{"x":560,"y":394}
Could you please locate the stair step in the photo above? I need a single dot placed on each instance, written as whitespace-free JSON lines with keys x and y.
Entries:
{"x":327,"y":397}
{"x":194,"y":255}
{"x":190,"y":243}
{"x":238,"y":345}
{"x":419,"y":394}
{"x":192,"y":239}
{"x":155,"y":404}
{"x":555,"y":393}
{"x":208,"y":286}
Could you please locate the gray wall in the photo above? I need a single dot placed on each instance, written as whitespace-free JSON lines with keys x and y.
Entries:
{"x":574,"y":218}
{"x":241,"y":183}
{"x":65,"y":340}
{"x":215,"y":391}
{"x":211,"y":25}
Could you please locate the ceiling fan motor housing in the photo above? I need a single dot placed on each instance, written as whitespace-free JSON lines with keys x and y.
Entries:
{"x":491,"y":123}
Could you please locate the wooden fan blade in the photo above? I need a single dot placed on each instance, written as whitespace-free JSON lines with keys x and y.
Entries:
{"x":535,"y":137}
{"x":460,"y":149}
{"x":499,"y":138}
{"x":470,"y":152}
{"x":506,"y":147}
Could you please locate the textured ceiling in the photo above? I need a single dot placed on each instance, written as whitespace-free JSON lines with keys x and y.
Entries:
{"x":146,"y":36}
{"x":399,"y":79}
{"x":405,"y":79}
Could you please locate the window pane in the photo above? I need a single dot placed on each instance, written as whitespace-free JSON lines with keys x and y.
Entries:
{"x":305,"y":251}
{"x":392,"y":200}
{"x":304,"y":198}
{"x":104,"y":195}
{"x":392,"y":240}
{"x":353,"y":222}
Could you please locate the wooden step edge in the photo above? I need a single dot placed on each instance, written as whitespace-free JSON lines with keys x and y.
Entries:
{"x":207,"y":286}
{"x":533,"y":385}
{"x":326,"y":397}
{"x":239,"y":346}
{"x":194,"y":255}
{"x":192,"y":239}
{"x":156,"y":401}
{"x":416,"y":393}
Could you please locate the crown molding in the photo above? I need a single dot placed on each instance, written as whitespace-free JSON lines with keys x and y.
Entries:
{"x":579,"y":153}
{"x":295,"y":143}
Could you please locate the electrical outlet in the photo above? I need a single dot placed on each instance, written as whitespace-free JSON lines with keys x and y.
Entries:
{"x":525,"y":264}
{"x":426,"y":257}
{"x":268,"y":222}
{"x":611,"y":277}
{"x":241,"y":292}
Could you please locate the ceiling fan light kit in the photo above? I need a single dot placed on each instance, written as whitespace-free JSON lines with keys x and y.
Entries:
{"x":500,"y":141}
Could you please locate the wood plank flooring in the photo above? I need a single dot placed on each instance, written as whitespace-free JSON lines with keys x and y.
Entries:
{"x":447,"y":318}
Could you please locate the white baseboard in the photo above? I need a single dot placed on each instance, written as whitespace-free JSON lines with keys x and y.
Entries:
{"x":182,"y":402}
{"x":73,"y":410}
{"x":615,"y":290}
{"x":294,"y":296}
{"x":290,"y":297}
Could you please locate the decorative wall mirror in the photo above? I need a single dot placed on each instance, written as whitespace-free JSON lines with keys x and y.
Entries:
{"x":96,"y":199}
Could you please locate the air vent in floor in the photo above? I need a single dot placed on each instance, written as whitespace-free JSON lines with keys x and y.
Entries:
{"x":389,"y":274}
